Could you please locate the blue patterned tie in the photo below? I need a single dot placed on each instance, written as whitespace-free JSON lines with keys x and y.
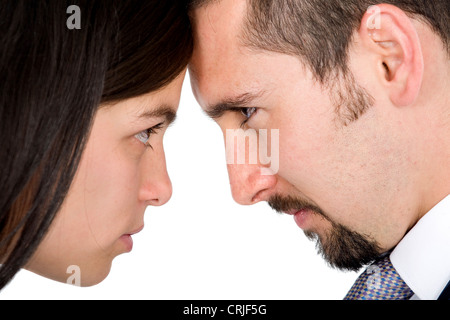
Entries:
{"x":379,"y":281}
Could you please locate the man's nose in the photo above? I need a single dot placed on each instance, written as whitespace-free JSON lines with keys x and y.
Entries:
{"x":156,"y":187}
{"x":249,"y":185}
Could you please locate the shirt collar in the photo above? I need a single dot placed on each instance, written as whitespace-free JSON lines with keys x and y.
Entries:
{"x":422,"y":258}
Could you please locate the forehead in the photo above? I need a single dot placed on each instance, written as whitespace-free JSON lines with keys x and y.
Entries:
{"x":224,"y":67}
{"x":160,"y":103}
{"x":218,"y":53}
{"x":218,"y":26}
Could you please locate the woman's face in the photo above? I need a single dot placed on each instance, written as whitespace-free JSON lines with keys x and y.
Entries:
{"x":122,"y":171}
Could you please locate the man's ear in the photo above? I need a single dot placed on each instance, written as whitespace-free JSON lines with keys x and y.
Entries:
{"x":389,"y":33}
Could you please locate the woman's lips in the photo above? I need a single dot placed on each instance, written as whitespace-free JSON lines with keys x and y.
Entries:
{"x":128,"y":240}
{"x":137,"y":230}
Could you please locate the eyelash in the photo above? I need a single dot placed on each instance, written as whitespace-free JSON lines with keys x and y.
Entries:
{"x":144,"y":136}
{"x":245,"y":111}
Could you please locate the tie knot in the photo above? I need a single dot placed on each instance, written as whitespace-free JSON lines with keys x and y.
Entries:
{"x":379,"y":281}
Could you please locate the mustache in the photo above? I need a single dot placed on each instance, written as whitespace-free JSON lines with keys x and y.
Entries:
{"x":282,"y":204}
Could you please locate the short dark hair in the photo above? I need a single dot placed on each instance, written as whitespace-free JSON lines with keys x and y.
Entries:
{"x":53,"y":81}
{"x":319,"y":32}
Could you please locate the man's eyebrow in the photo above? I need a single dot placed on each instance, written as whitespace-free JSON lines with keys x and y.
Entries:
{"x":163,"y":111}
{"x":216,"y":111}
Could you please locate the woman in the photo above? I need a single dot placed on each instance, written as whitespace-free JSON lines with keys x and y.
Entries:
{"x":82,"y":115}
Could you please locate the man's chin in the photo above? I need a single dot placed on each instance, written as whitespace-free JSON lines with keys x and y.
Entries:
{"x":344,"y":249}
{"x":341,"y":247}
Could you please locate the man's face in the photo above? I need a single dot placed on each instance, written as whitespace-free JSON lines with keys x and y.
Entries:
{"x":342,"y":182}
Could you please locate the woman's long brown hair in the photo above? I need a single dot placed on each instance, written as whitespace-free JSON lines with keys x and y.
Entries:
{"x":53,"y":79}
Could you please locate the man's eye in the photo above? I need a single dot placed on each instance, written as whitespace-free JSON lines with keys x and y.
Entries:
{"x":144,"y":136}
{"x":248,"y":112}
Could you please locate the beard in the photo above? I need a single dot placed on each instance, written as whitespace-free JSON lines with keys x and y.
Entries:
{"x":341,"y":247}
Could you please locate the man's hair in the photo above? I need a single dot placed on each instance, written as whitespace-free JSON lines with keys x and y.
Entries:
{"x":320,"y":33}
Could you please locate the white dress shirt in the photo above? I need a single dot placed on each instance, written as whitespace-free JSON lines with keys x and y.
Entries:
{"x":422,"y":258}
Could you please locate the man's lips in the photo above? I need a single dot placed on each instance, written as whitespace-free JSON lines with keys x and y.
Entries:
{"x":291,"y":212}
{"x":301,"y":217}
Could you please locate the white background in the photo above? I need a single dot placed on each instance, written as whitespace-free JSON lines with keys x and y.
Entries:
{"x":202,"y":245}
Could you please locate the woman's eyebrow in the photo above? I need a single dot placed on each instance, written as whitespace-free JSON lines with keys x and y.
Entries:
{"x":163,"y":111}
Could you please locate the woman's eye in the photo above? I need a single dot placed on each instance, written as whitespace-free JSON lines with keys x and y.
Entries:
{"x":144,"y":136}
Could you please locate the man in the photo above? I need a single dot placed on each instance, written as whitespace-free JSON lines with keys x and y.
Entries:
{"x":359,"y":96}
